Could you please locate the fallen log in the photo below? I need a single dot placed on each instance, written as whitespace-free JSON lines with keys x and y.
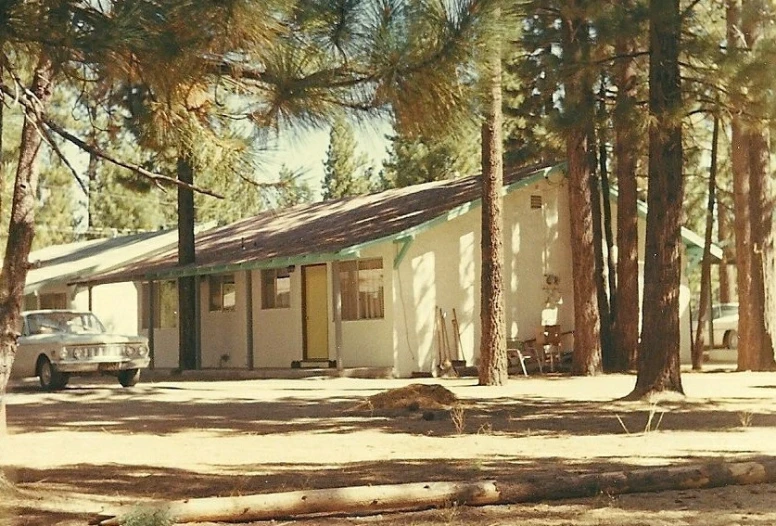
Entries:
{"x":361,"y":500}
{"x":643,"y":480}
{"x":364,"y":500}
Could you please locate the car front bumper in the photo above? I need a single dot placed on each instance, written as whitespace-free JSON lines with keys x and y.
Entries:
{"x":103,"y":366}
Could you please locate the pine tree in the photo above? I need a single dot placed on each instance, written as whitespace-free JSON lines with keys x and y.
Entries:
{"x":579,"y":117}
{"x":493,"y":353}
{"x":344,"y":167}
{"x":291,"y":189}
{"x":55,"y":220}
{"x":452,"y":153}
{"x":659,"y":349}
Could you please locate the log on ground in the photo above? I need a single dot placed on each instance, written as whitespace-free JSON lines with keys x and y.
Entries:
{"x":356,"y":500}
{"x":364,"y":500}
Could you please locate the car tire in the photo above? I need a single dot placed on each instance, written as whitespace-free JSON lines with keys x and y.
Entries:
{"x":731,"y":340}
{"x":50,"y":379}
{"x":129,"y":377}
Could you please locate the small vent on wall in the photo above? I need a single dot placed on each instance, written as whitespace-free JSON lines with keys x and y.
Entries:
{"x":536,"y":202}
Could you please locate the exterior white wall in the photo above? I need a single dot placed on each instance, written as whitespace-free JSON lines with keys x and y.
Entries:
{"x":109,"y":303}
{"x":165,"y":347}
{"x":277,"y":333}
{"x":537,"y":243}
{"x":367,"y":343}
{"x":442,"y":269}
{"x":223,"y":333}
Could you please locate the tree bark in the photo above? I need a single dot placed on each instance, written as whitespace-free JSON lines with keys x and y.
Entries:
{"x":596,"y":209}
{"x":21,"y":229}
{"x":659,"y":348}
{"x":724,"y":236}
{"x":626,"y":146}
{"x":364,"y":500}
{"x":607,"y":292}
{"x":187,"y":307}
{"x":493,"y":354}
{"x":579,"y":103}
{"x":705,"y":296}
{"x":739,"y":159}
{"x":761,"y":208}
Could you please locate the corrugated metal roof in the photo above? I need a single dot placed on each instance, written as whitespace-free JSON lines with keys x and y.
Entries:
{"x":322,"y":231}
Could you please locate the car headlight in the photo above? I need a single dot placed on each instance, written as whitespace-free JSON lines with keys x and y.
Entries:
{"x":143,"y":350}
{"x":78,"y":353}
{"x":63,"y":353}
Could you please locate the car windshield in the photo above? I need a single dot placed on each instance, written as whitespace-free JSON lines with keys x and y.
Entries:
{"x":64,"y":322}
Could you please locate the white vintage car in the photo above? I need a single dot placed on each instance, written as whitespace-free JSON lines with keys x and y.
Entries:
{"x":55,"y":344}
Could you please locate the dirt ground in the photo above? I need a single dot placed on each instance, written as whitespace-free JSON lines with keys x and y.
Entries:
{"x":97,"y":445}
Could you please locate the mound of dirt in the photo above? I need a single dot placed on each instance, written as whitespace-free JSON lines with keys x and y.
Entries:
{"x":413,"y":397}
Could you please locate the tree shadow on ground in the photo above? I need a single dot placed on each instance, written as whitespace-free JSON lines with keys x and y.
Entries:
{"x":146,"y":411}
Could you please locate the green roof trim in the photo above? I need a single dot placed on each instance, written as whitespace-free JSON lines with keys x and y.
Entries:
{"x":281,"y":262}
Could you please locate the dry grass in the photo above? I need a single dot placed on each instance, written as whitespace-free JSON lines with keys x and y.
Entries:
{"x":413,"y":397}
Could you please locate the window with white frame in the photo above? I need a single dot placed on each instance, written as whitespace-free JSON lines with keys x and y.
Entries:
{"x":165,"y":298}
{"x":223,"y":293}
{"x":275,"y":288}
{"x":361,"y":284}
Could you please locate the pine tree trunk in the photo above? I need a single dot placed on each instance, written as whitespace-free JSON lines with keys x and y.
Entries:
{"x":607,"y":351}
{"x":626,"y":146}
{"x":493,"y":353}
{"x":763,"y":271}
{"x":579,"y":102}
{"x":21,"y":230}
{"x":187,"y":295}
{"x":607,"y":292}
{"x":739,"y":159}
{"x":659,"y":348}
{"x":728,"y":254}
{"x":705,"y":299}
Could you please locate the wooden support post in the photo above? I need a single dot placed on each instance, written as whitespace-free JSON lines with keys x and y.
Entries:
{"x":336,"y":292}
{"x":151,"y":317}
{"x":249,"y":318}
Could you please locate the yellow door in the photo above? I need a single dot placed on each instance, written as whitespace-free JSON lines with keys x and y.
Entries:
{"x":316,"y":313}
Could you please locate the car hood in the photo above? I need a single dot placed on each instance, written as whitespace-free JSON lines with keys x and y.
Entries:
{"x":82,"y":339}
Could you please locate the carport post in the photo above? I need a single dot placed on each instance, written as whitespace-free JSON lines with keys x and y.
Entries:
{"x":197,"y":323}
{"x":336,"y":291}
{"x":151,"y":316}
{"x":249,"y":317}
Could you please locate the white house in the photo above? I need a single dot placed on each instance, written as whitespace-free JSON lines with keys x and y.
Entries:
{"x":357,"y":282}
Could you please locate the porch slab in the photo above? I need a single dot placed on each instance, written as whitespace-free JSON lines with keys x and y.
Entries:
{"x":161,"y":375}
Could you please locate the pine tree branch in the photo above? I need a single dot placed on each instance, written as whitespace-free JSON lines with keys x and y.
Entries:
{"x":155,"y":177}
{"x":55,"y":147}
{"x":32,"y":109}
